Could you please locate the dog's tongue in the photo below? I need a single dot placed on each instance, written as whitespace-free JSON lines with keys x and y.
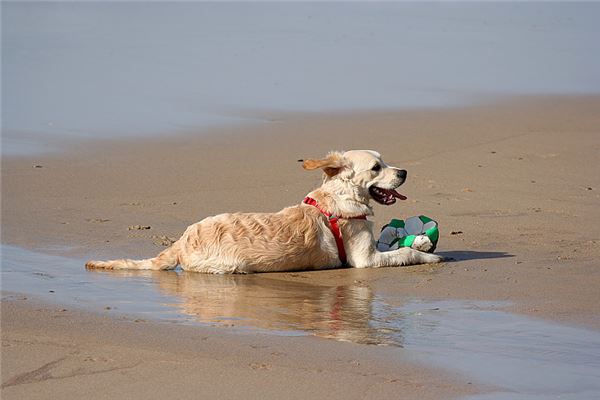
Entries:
{"x":395,"y":194}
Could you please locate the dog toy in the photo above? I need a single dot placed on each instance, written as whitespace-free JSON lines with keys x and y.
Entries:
{"x":420,"y":233}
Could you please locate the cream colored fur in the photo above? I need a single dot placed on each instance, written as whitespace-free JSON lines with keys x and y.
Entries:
{"x":295,"y":238}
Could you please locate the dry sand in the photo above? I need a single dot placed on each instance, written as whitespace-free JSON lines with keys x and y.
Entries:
{"x":514,"y":184}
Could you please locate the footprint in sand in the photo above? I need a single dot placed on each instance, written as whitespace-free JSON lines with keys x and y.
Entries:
{"x":260,"y":366}
{"x":138,"y":227}
{"x":163,"y":240}
{"x":97,"y":220}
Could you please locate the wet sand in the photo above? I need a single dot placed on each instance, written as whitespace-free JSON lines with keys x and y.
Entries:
{"x":514,"y":185}
{"x":49,"y":352}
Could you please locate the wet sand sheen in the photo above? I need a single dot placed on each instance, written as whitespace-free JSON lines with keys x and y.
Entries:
{"x":520,"y":357}
{"x":53,"y":352}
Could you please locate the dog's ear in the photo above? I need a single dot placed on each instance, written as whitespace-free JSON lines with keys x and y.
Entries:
{"x":331,"y":165}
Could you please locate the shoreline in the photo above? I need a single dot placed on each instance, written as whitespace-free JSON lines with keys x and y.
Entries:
{"x":267,"y":122}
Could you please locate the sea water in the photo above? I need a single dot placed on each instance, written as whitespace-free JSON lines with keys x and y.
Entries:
{"x":102,"y":69}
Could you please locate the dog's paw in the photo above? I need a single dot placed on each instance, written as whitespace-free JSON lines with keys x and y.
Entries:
{"x":97,"y":265}
{"x":432,"y":259}
{"x":422,"y":243}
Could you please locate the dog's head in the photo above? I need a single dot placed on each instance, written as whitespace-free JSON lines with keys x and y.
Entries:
{"x":361,"y":173}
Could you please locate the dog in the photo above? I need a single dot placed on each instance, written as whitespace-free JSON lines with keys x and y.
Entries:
{"x":329,"y":229}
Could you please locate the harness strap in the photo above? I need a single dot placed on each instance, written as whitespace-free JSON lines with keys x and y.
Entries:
{"x":333,"y":226}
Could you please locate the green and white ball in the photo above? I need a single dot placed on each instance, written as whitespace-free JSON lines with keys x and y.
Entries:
{"x":420,"y":233}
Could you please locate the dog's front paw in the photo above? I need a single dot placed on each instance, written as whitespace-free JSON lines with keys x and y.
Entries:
{"x":432,"y":259}
{"x":422,"y":243}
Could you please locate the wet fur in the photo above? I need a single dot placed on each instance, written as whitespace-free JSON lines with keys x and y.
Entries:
{"x":295,"y":238}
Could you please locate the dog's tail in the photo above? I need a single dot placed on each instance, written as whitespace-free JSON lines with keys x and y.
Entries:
{"x":167,"y":259}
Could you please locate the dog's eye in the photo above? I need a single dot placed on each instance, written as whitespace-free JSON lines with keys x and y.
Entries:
{"x":376,"y":168}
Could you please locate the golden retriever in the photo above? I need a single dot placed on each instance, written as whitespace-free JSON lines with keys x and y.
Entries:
{"x":327,"y":230}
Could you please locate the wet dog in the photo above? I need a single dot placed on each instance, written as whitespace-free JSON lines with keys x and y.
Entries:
{"x":327,"y":230}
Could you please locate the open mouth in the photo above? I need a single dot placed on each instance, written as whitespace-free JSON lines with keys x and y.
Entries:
{"x":385,"y":196}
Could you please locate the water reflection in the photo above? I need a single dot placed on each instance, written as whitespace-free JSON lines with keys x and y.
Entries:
{"x":347,"y":313}
{"x":265,"y":302}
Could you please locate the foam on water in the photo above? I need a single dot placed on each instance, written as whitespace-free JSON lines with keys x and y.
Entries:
{"x":523,"y":358}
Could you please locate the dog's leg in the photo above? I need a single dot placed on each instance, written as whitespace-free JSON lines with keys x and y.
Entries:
{"x":363,"y":254}
{"x":394,"y":258}
{"x":167,"y":259}
{"x":402,"y":256}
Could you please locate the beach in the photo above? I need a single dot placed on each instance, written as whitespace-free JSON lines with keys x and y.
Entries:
{"x":123,"y":123}
{"x":513,"y":183}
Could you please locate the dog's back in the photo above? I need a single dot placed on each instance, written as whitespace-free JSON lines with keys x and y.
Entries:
{"x":291,"y":239}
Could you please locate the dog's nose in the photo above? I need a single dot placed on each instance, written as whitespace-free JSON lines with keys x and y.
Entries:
{"x":401,"y":174}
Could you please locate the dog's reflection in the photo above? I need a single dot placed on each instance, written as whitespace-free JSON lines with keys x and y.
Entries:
{"x":347,"y":313}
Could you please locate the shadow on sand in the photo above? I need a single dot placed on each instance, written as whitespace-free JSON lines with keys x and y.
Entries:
{"x":464,"y":255}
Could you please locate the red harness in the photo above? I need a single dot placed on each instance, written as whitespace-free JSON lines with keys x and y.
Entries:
{"x":333,"y":226}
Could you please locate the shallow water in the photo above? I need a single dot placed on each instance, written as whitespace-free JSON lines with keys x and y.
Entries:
{"x":528,"y":358}
{"x":101,"y":69}
{"x":523,"y":358}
